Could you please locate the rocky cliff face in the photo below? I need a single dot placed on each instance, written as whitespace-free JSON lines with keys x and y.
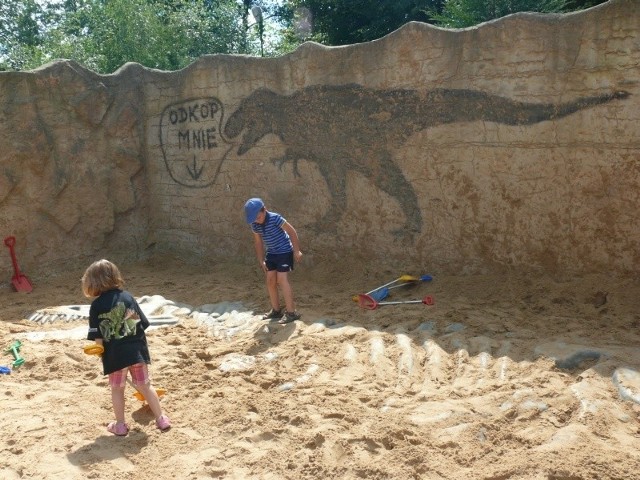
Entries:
{"x":509,"y":145}
{"x":73,"y":181}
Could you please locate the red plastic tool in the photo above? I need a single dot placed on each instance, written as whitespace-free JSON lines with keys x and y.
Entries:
{"x":20,"y":281}
{"x":369,"y":303}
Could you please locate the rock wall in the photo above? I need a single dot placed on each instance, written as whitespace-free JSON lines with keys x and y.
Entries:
{"x":513,"y":144}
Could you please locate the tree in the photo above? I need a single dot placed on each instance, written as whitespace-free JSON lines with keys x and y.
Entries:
{"x":466,"y":13}
{"x":199,"y":28}
{"x":342,"y":22}
{"x":105,"y":34}
{"x":264,"y":33}
{"x":20,"y":31}
{"x":170,"y":34}
{"x":582,"y":4}
{"x":163,"y":35}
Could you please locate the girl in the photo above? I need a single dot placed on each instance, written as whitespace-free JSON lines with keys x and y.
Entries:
{"x":117,"y":323}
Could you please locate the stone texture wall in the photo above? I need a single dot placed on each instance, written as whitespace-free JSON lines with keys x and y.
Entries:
{"x":513,"y":144}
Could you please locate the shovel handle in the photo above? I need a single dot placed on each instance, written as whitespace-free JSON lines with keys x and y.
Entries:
{"x":369,"y":303}
{"x":385,"y":285}
{"x":403,"y":278}
{"x":10,"y":242}
{"x":427,"y":300}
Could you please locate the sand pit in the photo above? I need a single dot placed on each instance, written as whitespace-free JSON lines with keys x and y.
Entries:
{"x":504,"y":377}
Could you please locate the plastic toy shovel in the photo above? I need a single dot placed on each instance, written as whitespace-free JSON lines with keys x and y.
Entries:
{"x":20,"y":282}
{"x":96,"y":349}
{"x":138,"y":394}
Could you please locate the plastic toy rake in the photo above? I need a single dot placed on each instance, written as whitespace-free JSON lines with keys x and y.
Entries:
{"x":382,"y":292}
{"x":369,"y":303}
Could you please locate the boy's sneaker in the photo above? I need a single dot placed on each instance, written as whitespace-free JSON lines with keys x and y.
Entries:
{"x":289,"y":317}
{"x":273,"y":315}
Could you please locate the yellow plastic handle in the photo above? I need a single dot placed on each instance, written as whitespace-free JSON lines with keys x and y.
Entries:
{"x":408,"y":278}
{"x":93,"y":349}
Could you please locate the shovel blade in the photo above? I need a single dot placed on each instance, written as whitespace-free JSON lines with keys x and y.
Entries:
{"x":160,"y":392}
{"x":380,"y":295}
{"x":21,"y":283}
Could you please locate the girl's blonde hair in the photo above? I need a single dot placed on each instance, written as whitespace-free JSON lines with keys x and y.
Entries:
{"x":101,"y":276}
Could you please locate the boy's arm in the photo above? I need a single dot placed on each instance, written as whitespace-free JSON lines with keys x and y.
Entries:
{"x":295,"y":242}
{"x":259,"y":246}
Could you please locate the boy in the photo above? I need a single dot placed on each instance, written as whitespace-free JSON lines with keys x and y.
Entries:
{"x":271,"y":232}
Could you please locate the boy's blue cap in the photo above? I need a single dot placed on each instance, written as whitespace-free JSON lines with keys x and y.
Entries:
{"x":252,"y":208}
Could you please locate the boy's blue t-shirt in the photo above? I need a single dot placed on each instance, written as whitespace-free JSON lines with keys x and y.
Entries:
{"x":276,"y":240}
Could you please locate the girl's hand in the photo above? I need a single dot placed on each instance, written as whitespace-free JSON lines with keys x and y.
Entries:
{"x":297,"y":255}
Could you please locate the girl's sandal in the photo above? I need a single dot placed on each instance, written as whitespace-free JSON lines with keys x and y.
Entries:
{"x":163,"y":423}
{"x":119,"y":429}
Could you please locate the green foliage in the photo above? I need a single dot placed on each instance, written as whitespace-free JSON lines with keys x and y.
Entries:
{"x":466,"y":13}
{"x":200,"y":30}
{"x":582,"y":4}
{"x":20,"y":34}
{"x":164,"y":35}
{"x":170,"y":34}
{"x":342,"y":22}
{"x":121,"y":31}
{"x":105,"y":34}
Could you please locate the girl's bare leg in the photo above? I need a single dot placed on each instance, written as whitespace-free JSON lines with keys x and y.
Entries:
{"x":117,"y":400}
{"x":151,"y":397}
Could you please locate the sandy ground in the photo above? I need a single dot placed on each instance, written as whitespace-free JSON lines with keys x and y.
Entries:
{"x":505,"y":377}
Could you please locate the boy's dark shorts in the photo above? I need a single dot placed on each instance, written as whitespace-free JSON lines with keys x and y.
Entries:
{"x":282,"y":262}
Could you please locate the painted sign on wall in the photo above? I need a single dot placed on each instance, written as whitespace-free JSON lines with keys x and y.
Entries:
{"x":192,"y":146}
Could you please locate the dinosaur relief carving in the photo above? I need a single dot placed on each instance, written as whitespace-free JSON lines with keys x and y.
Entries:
{"x":353,"y":128}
